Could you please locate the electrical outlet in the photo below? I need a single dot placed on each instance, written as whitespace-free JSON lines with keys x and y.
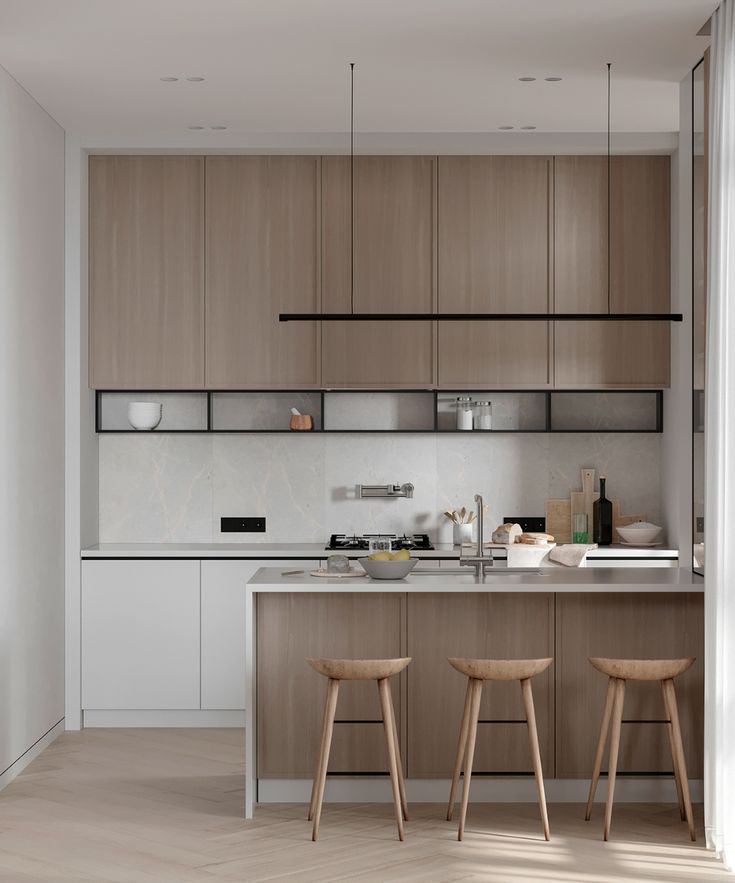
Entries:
{"x":242,"y":525}
{"x":700,"y":523}
{"x":528,"y":524}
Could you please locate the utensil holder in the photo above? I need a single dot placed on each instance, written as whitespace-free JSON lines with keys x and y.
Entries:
{"x":463,"y":533}
{"x":301,"y":422}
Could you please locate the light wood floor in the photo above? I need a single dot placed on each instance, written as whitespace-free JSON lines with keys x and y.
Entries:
{"x":166,"y":805}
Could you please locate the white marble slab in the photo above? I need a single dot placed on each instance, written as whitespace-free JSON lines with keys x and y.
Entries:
{"x":567,"y":579}
{"x":255,"y":551}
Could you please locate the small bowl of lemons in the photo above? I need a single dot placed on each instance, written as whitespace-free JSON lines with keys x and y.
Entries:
{"x":388,"y":565}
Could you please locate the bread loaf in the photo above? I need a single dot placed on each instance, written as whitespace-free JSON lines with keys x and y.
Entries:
{"x":507,"y":534}
{"x":536,"y":539}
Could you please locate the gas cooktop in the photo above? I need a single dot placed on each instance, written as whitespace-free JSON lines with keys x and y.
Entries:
{"x":343,"y":542}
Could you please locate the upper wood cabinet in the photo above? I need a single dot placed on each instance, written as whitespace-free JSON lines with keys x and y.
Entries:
{"x":621,"y":353}
{"x":393,"y":269}
{"x":493,"y":232}
{"x":146,"y":272}
{"x":261,"y":259}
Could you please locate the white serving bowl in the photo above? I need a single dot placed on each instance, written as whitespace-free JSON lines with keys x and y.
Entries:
{"x":641,"y":533}
{"x":144,"y":415}
{"x":388,"y":569}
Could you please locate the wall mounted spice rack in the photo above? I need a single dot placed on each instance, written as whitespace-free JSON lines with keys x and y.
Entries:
{"x":368,"y":411}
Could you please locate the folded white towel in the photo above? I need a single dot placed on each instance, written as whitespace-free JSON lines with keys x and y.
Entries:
{"x":570,"y":555}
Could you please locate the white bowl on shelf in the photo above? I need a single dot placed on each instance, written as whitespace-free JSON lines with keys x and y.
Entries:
{"x":145,"y":415}
{"x":642,"y":533}
{"x":388,"y":569}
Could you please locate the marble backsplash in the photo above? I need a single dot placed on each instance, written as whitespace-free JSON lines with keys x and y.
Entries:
{"x":167,"y":488}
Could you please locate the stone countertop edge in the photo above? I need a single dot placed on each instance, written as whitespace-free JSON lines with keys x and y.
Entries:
{"x":562,"y":579}
{"x":317,"y":551}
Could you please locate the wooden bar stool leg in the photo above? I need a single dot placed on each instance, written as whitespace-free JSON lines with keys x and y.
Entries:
{"x":318,"y":764}
{"x":677,"y":772}
{"x":462,"y":743}
{"x":388,"y":724}
{"x":470,"y":752}
{"x":396,"y":742}
{"x":604,"y":727}
{"x":535,"y":753}
{"x":680,"y":760}
{"x":612,"y":767}
{"x":321,"y":775}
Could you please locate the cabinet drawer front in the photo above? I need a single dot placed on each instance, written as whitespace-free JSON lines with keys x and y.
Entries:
{"x":140,"y":634}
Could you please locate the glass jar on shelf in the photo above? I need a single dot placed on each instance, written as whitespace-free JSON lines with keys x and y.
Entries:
{"x":484,"y":415}
{"x":465,"y":417}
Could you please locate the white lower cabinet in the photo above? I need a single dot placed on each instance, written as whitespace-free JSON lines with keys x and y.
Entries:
{"x":166,"y":635}
{"x":140,"y":634}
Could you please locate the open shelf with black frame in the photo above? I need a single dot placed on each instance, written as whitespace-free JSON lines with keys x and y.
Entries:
{"x":385,"y":411}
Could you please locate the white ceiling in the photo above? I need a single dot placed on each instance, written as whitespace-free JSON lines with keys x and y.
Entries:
{"x":281,"y":66}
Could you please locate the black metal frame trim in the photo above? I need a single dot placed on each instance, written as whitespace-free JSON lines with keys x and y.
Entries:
{"x":480,"y":317}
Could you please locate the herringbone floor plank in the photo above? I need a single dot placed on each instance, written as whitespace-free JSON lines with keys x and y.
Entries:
{"x":144,"y":806}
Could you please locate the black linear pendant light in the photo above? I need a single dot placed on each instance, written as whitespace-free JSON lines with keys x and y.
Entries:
{"x":352,"y":316}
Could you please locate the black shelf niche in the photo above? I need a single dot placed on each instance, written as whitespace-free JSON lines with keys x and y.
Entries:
{"x":385,"y":411}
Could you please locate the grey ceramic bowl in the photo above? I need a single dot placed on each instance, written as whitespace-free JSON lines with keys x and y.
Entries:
{"x":388,"y":569}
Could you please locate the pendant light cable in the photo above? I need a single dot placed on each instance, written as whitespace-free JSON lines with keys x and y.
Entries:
{"x":609,"y":207}
{"x":352,"y":187}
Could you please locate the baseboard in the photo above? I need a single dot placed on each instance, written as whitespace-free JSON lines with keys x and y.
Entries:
{"x":653,"y":789}
{"x":30,"y":754}
{"x":163,"y":718}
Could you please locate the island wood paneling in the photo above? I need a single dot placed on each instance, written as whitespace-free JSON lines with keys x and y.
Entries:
{"x":393,"y":270}
{"x":146,"y":272}
{"x":493,"y":243}
{"x":492,"y":625}
{"x":633,"y":626}
{"x":291,"y":694}
{"x":261,"y":259}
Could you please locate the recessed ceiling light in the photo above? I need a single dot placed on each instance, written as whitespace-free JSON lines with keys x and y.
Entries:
{"x":527,"y":79}
{"x":195,"y":79}
{"x":528,"y":128}
{"x":218,"y":128}
{"x":505,"y":128}
{"x":196,"y":128}
{"x":552,"y":79}
{"x":169,"y":79}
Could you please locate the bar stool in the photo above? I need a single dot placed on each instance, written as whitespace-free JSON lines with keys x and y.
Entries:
{"x":619,"y":671}
{"x":478,"y":671}
{"x":359,"y":670}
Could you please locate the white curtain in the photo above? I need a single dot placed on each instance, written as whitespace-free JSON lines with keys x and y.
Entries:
{"x":720,"y":446}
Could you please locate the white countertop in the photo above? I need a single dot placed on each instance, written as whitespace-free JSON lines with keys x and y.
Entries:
{"x":317,"y":551}
{"x":552,"y":579}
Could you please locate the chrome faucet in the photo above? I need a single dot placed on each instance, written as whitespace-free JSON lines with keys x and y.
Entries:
{"x":479,"y":560}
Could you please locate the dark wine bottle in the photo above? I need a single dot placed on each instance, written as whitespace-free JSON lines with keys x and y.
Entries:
{"x":602,"y":518}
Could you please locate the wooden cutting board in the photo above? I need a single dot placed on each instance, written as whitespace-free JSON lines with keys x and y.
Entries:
{"x":582,"y":501}
{"x":558,"y":520}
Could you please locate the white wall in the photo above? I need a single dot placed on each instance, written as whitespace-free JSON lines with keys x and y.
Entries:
{"x":31,"y":422}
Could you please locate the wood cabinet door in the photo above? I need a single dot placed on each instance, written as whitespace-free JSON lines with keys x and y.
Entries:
{"x":291,"y":695}
{"x":146,"y":272}
{"x":261,"y":260}
{"x":493,"y":236}
{"x":393,"y":270}
{"x":640,"y":626}
{"x":140,"y":635}
{"x":622,"y":354}
{"x":484,"y":626}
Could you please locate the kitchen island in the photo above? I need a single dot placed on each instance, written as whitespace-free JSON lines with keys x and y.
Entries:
{"x":568,"y":614}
